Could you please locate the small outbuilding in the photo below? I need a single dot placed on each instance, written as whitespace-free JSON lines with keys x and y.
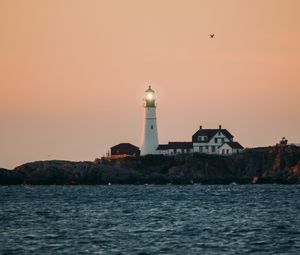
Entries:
{"x":124,"y":150}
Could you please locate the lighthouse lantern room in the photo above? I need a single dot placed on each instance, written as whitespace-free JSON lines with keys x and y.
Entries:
{"x":150,"y":135}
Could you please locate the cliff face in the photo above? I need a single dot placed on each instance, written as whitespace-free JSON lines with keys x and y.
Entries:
{"x":10,"y":177}
{"x":279,"y":164}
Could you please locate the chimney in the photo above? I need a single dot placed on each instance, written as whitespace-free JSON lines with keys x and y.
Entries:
{"x":201,"y":127}
{"x":220,"y":127}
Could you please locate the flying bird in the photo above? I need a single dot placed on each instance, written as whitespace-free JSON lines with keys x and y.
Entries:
{"x":211,"y":35}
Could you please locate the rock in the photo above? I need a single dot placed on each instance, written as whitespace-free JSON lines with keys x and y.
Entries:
{"x":10,"y":177}
{"x":278,"y":164}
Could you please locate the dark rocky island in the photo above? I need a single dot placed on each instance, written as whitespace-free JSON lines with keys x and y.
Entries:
{"x":276,"y":164}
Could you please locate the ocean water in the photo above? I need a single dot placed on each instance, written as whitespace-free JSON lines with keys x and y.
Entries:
{"x":196,"y":219}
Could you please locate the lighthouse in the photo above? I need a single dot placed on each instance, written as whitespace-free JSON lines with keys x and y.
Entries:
{"x":150,"y":136}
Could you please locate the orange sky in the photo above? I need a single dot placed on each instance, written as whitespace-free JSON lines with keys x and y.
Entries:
{"x":73,"y":73}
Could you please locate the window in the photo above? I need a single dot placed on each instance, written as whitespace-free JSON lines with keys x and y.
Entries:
{"x":151,"y":126}
{"x":227,"y":151}
{"x":213,"y":148}
{"x":223,"y":151}
{"x":222,"y":140}
{"x":216,"y":140}
{"x":202,"y":138}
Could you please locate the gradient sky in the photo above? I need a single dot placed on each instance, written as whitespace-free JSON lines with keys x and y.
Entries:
{"x":73,"y":73}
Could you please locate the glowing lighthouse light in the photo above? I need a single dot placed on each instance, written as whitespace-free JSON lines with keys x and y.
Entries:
{"x":150,"y":96}
{"x":150,"y":135}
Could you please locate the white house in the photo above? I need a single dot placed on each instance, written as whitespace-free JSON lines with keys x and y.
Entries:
{"x":209,"y":141}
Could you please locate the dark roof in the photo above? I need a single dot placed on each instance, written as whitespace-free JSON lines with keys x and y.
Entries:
{"x":149,"y":89}
{"x":209,"y":133}
{"x":180,"y":145}
{"x":175,"y":145}
{"x":233,"y":145}
{"x":162,"y":147}
{"x":122,"y":146}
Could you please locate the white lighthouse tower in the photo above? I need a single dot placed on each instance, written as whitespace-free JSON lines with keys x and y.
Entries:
{"x":150,"y":136}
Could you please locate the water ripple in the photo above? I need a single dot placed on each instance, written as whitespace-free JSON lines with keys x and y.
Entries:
{"x":249,"y":219}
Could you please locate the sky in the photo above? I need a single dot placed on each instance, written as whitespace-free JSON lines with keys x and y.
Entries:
{"x":73,"y":73}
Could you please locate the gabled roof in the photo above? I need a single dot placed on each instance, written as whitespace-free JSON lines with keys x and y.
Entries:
{"x":175,"y":145}
{"x":233,"y":145}
{"x":209,"y":133}
{"x":122,"y":146}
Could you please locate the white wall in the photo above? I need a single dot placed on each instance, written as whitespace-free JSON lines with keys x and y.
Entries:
{"x":150,"y":134}
{"x":171,"y":152}
{"x":163,"y":152}
{"x":225,"y":149}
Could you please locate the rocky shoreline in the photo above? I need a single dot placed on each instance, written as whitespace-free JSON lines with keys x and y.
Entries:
{"x":276,"y":164}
